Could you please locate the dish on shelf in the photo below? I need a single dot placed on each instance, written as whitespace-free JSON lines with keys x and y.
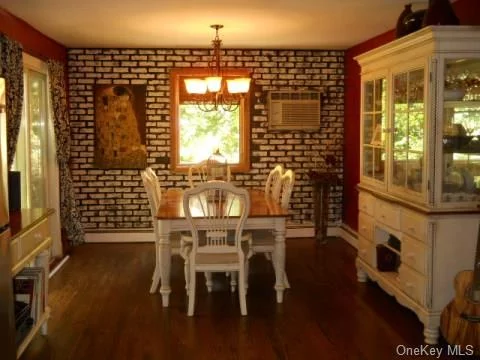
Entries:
{"x":458,"y":180}
{"x":468,"y":181}
{"x":453,"y":94}
{"x":453,"y":181}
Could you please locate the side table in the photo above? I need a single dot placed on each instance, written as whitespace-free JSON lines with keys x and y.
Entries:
{"x":322,"y":182}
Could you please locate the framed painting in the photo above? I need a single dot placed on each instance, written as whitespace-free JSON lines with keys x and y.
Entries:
{"x":120,"y":126}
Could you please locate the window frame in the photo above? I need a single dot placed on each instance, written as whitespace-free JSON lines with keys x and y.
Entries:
{"x":178,"y":94}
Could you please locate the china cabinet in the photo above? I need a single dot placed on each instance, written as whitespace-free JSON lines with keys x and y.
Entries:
{"x":30,"y":245}
{"x":419,"y":191}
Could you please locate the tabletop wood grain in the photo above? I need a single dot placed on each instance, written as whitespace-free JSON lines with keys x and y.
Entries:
{"x":171,"y":206}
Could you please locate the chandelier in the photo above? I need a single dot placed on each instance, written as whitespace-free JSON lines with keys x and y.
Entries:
{"x":219,"y":89}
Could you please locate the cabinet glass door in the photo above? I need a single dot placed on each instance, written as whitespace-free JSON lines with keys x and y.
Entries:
{"x":373,"y":141}
{"x":461,"y":131}
{"x":408,"y":128}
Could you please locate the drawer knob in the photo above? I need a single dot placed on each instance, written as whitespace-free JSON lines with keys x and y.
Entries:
{"x":411,"y":229}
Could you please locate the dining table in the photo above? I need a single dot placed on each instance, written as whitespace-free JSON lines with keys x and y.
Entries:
{"x":265,"y":214}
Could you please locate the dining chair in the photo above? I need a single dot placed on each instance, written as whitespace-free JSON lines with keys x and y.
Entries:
{"x":263,"y":241}
{"x":216,"y":212}
{"x":273,"y":182}
{"x":197,"y":173}
{"x":179,"y":242}
{"x":154,"y":178}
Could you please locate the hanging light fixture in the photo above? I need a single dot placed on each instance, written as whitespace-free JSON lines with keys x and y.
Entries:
{"x":218,"y":89}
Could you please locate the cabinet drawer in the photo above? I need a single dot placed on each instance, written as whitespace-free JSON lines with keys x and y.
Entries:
{"x":414,"y":225}
{"x":366,"y":251}
{"x":388,"y":214}
{"x":412,"y":283}
{"x":365,"y":226}
{"x":414,"y":254}
{"x":27,"y":242}
{"x":366,"y":203}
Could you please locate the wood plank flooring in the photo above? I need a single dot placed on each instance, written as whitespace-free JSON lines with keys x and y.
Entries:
{"x":101,"y":309}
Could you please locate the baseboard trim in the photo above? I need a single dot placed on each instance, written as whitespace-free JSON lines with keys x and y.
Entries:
{"x":348,"y":234}
{"x":120,"y":237}
{"x":59,"y":266}
{"x":298,"y":231}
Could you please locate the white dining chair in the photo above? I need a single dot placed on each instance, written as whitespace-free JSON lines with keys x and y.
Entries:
{"x":273,"y":182}
{"x":263,"y":241}
{"x":154,"y":178}
{"x":211,"y":209}
{"x":179,"y":242}
{"x":197,"y":173}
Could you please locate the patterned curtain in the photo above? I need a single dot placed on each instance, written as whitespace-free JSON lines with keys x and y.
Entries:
{"x":69,"y":214}
{"x":11,"y":68}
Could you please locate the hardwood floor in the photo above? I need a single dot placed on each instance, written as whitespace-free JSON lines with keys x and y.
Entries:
{"x":101,"y":309}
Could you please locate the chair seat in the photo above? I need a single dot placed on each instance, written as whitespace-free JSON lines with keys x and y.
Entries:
{"x":261,"y":240}
{"x":218,"y":259}
{"x":180,"y":243}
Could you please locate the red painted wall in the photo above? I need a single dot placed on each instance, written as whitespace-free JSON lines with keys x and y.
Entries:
{"x":33,"y":41}
{"x":468,"y":13}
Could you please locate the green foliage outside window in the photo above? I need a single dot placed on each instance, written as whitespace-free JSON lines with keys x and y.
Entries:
{"x":201,"y":133}
{"x":409,"y":129}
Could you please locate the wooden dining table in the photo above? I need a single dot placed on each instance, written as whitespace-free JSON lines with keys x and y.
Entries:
{"x":265,"y":214}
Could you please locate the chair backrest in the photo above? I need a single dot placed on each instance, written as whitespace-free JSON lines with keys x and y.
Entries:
{"x":155,"y":183}
{"x":273,"y":183}
{"x":288,"y":179}
{"x":197,"y":173}
{"x":153,"y":200}
{"x":210,"y":208}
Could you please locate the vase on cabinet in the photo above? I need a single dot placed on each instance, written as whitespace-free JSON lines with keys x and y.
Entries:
{"x":414,"y":21}
{"x":440,"y":12}
{"x":401,"y":29}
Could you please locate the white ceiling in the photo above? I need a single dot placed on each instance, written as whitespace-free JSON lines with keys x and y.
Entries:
{"x":275,"y":24}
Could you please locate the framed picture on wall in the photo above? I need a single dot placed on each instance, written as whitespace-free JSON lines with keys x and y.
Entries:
{"x":120,"y":126}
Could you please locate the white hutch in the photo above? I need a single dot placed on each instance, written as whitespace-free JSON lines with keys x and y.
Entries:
{"x":419,"y":191}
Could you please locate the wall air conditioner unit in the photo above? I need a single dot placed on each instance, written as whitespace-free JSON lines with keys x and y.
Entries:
{"x":294,"y":110}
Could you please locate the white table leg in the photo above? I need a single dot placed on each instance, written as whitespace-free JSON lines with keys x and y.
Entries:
{"x":165,"y":256}
{"x":156,"y":273}
{"x":279,"y":257}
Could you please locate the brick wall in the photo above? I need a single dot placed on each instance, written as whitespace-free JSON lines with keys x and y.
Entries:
{"x":116,"y":199}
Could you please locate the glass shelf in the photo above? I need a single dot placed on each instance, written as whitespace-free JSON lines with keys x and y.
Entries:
{"x":461,"y":131}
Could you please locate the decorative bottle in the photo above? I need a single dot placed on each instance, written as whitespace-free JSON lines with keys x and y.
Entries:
{"x":440,"y":12}
{"x":400,"y":29}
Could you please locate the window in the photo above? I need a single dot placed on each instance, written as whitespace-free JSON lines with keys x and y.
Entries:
{"x":196,"y":134}
{"x":35,"y":157}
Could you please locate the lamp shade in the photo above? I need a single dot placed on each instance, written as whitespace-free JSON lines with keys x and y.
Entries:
{"x":238,"y":85}
{"x":214,"y":83}
{"x":196,"y":86}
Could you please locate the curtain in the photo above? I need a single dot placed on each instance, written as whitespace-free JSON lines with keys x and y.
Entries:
{"x":69,"y":214}
{"x":11,"y":68}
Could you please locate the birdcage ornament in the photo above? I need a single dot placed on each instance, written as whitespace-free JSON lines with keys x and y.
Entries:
{"x":217,"y":167}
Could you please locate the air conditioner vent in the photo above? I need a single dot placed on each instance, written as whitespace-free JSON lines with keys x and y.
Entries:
{"x":294,"y":110}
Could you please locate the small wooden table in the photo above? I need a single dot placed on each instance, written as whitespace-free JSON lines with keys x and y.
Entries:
{"x":265,"y":213}
{"x":322,"y":182}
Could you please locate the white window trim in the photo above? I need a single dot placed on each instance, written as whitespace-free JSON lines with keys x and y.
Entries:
{"x":53,"y":186}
